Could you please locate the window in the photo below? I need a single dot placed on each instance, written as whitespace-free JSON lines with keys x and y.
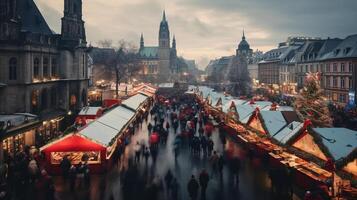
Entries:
{"x":342,"y":82}
{"x":350,"y":83}
{"x":54,"y":67}
{"x":306,"y":68}
{"x":13,"y":69}
{"x":342,"y":98}
{"x":334,"y":82}
{"x":334,"y":96}
{"x":327,"y":67}
{"x":334,"y":67}
{"x":45,"y":67}
{"x":84,"y":66}
{"x":36,"y":67}
{"x":301,"y":68}
{"x":349,"y":67}
{"x":342,"y":67}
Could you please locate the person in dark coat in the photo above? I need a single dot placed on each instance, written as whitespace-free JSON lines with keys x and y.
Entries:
{"x":203,"y":178}
{"x":65,"y":166}
{"x":150,"y":128}
{"x":192,"y":188}
{"x":168,"y":180}
{"x":235,"y":167}
{"x":220,"y":165}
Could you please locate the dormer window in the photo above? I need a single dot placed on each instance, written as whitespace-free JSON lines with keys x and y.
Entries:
{"x":337,"y":51}
{"x":347,"y":50}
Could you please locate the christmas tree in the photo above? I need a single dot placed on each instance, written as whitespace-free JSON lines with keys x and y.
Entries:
{"x":311,"y":103}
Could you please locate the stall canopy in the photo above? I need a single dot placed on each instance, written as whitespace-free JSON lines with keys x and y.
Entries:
{"x":107,"y":127}
{"x":90,"y":111}
{"x":135,"y":101}
{"x":273,"y":120}
{"x":72,"y":142}
{"x":288,"y":132}
{"x":340,"y":142}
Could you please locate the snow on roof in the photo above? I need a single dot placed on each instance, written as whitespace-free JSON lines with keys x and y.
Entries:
{"x":135,"y":101}
{"x":166,"y":85}
{"x":288,"y":132}
{"x":17,"y":118}
{"x":339,"y":141}
{"x":107,"y":127}
{"x":89,"y":110}
{"x":273,"y":120}
{"x":244,"y":111}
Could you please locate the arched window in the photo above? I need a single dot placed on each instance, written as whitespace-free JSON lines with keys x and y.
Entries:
{"x":45,"y":67}
{"x":36,"y":68}
{"x":44,"y":101}
{"x":13,"y":69}
{"x":34,"y":100}
{"x":53,"y":97}
{"x":54,"y":67}
{"x":73,"y":100}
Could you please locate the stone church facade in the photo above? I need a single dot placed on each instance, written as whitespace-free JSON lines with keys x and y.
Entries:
{"x":159,"y":62}
{"x":41,"y":72}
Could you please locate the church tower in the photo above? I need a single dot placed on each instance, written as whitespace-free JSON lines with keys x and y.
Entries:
{"x":9,"y":22}
{"x":73,"y":31}
{"x":142,"y":44}
{"x":164,"y":50}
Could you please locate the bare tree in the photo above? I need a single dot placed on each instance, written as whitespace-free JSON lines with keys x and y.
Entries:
{"x":105,"y":43}
{"x":124,"y":60}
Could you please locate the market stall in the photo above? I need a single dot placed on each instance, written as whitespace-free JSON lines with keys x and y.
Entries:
{"x":96,"y":141}
{"x":78,"y":149}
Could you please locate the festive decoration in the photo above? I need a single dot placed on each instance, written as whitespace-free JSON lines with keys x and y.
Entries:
{"x":232,"y":112}
{"x":219,"y":103}
{"x":311,"y":104}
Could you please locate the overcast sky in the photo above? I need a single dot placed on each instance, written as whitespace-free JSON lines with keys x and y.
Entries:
{"x":208,"y":29}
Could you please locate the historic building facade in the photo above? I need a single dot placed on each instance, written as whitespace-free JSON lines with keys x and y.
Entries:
{"x":41,"y":72}
{"x":159,"y":62}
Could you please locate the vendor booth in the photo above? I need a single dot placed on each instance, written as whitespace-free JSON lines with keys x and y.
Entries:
{"x":95,"y":142}
{"x":78,"y":149}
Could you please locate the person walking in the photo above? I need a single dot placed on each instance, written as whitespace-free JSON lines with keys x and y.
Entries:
{"x":168,"y":180}
{"x":214,"y":162}
{"x":235,"y":168}
{"x":174,"y":189}
{"x":137,"y":152}
{"x":65,"y":166}
{"x":150,"y":128}
{"x":210,"y":146}
{"x":146,"y":155}
{"x":220,"y":165}
{"x":72,"y":177}
{"x":204,"y":179}
{"x":192,"y":188}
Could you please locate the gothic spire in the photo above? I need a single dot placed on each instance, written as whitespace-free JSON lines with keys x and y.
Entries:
{"x":164,"y":16}
{"x":141,"y":41}
{"x":243,"y":38}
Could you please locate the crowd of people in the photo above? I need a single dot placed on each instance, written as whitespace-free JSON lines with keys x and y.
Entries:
{"x":23,"y":177}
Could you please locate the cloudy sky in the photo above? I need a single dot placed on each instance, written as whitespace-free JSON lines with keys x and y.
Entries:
{"x":208,"y":29}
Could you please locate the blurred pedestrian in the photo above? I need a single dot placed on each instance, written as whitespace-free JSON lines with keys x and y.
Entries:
{"x":204,"y":179}
{"x":192,"y":188}
{"x":65,"y":166}
{"x":168,"y":180}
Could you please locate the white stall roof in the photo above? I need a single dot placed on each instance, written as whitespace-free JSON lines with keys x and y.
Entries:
{"x":339,"y":141}
{"x":288,"y":132}
{"x":166,"y":85}
{"x":107,"y":127}
{"x":135,"y":101}
{"x":274,"y":121}
{"x":89,"y":110}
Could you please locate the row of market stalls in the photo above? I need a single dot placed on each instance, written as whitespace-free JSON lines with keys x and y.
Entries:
{"x":96,"y":141}
{"x":277,"y":131}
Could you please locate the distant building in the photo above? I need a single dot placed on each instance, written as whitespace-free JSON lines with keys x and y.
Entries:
{"x":159,"y":62}
{"x":41,"y":72}
{"x":339,"y":71}
{"x":274,"y":69}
